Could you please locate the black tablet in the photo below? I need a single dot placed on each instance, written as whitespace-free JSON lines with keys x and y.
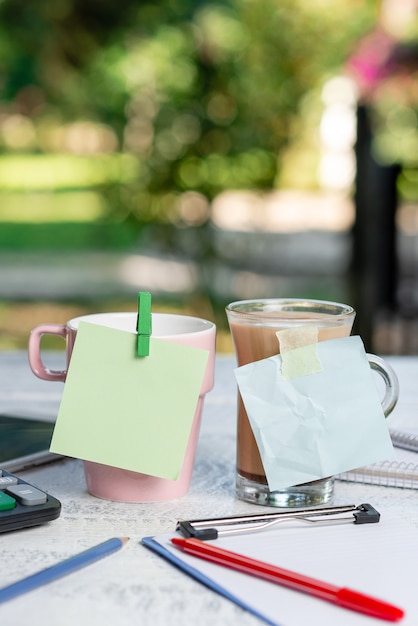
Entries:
{"x":24,"y":442}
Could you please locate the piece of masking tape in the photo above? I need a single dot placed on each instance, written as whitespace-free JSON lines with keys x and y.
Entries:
{"x":298,"y":351}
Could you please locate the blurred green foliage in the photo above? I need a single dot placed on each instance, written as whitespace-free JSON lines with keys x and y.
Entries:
{"x":203,"y":96}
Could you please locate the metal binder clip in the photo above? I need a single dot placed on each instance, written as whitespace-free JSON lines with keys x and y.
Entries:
{"x":206,"y":529}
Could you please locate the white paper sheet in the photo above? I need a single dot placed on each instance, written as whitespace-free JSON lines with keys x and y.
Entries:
{"x":316,"y":425}
{"x":376,"y":559}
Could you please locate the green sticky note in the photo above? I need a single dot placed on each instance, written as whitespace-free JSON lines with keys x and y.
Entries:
{"x":126,"y":411}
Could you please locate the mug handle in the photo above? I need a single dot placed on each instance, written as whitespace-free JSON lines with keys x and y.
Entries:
{"x":34,"y":351}
{"x":390,"y":379}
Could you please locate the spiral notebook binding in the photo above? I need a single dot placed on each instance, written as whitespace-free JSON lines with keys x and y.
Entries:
{"x":407,"y":441}
{"x":387,"y":474}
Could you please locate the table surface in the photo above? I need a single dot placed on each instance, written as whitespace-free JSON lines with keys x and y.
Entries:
{"x":135,"y":585}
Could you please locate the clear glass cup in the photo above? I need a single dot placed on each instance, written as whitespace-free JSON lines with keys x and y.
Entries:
{"x":253,"y":325}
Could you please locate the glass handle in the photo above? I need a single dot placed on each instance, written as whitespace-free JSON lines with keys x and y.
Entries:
{"x":391,"y":382}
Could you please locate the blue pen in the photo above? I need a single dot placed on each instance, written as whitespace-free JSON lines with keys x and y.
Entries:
{"x":61,"y":569}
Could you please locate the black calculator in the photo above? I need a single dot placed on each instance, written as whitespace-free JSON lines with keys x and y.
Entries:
{"x":23,"y":505}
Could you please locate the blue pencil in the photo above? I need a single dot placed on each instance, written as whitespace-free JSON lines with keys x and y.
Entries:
{"x":61,"y":569}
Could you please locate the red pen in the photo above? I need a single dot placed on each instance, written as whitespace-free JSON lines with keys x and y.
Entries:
{"x":343,"y":597}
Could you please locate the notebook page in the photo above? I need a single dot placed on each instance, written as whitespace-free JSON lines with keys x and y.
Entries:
{"x":378,"y":559}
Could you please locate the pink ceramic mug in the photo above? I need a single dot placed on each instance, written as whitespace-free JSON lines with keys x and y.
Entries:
{"x":114,"y":483}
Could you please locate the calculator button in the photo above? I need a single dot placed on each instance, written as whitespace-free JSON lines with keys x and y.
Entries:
{"x":6,"y":481}
{"x":27,"y":495}
{"x":6,"y":502}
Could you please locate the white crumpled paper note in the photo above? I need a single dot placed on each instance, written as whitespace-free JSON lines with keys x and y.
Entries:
{"x":316,"y":425}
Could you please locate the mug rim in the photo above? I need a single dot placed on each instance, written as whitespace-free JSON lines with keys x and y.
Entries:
{"x":238,"y":307}
{"x":206,"y":325}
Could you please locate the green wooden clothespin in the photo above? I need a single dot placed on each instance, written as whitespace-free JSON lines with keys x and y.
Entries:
{"x":143,"y":323}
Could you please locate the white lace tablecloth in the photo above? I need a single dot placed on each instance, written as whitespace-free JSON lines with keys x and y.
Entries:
{"x":135,"y":586}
